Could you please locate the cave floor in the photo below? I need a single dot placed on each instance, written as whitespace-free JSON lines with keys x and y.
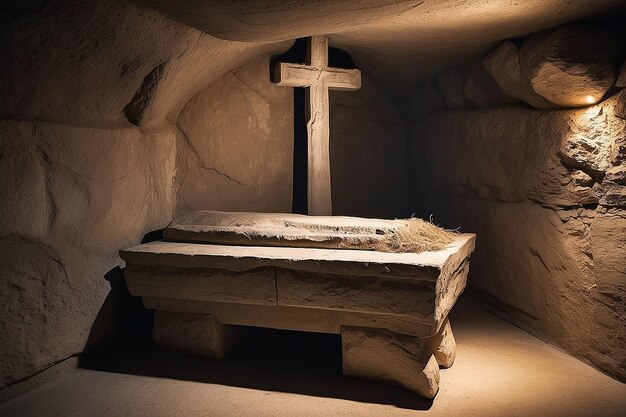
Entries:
{"x":500,"y":371}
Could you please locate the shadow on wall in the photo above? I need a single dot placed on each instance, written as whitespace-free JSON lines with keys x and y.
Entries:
{"x":122,"y":321}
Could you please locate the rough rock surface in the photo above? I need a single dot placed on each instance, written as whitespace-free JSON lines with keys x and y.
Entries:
{"x":238,"y":139}
{"x":86,"y":181}
{"x":416,"y":38}
{"x":95,"y":71}
{"x":503,"y":65}
{"x":422,"y":100}
{"x":482,"y":90}
{"x":572,"y":66}
{"x":83,"y":181}
{"x":383,"y":355}
{"x":539,"y":190}
{"x":367,"y":144}
{"x":621,"y":78}
{"x":83,"y":194}
{"x":451,"y":84}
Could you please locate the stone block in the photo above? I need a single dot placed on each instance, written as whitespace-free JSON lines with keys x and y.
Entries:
{"x":382,"y":355}
{"x":504,"y":66}
{"x":256,"y":286}
{"x":571,"y":66}
{"x":482,"y":89}
{"x":193,"y":334}
{"x":401,"y":296}
{"x":445,"y":346}
{"x":621,"y":78}
{"x":450,"y":84}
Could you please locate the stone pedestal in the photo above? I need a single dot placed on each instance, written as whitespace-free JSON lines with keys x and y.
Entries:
{"x":391,"y":309}
{"x":386,"y":356}
{"x":193,"y":334}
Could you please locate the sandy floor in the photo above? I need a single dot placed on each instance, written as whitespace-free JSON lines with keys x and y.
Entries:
{"x":500,"y":371}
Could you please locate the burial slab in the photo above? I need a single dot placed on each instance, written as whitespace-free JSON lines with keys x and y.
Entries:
{"x":214,"y":271}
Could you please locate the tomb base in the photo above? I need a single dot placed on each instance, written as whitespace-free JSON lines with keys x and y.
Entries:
{"x":194,"y":334}
{"x":391,"y":309}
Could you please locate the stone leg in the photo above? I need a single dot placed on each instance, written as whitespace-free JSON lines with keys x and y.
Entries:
{"x":444,"y":346}
{"x":193,"y":334}
{"x":390,"y":357}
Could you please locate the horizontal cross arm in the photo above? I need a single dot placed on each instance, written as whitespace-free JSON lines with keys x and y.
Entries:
{"x":294,"y":75}
{"x":342,"y":79}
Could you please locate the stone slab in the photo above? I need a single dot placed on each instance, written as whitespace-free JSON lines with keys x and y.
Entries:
{"x":291,"y":318}
{"x":418,"y":266}
{"x":399,"y":296}
{"x":278,"y":229}
{"x":255,"y":286}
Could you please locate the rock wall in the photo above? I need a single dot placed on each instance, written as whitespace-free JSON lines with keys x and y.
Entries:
{"x":114,"y":119}
{"x":88,"y":159}
{"x":545,"y":193}
{"x":367,"y":153}
{"x":237,"y":148}
{"x":238,"y":140}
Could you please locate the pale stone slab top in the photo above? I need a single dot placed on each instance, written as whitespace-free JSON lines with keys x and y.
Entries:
{"x":279,"y":229}
{"x":423,"y":266}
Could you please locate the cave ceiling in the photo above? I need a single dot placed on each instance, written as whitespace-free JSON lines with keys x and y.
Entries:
{"x":417,"y":38}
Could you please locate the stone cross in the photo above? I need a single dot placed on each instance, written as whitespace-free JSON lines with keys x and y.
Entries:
{"x":318,"y":77}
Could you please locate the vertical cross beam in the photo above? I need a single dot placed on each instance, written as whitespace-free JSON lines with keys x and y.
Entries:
{"x":317,"y":77}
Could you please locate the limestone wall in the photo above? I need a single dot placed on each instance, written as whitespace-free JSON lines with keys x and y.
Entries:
{"x":237,"y":138}
{"x":94,"y":154}
{"x":88,"y":160}
{"x":545,"y":192}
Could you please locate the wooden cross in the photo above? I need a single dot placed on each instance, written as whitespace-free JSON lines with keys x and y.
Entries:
{"x":318,"y":77}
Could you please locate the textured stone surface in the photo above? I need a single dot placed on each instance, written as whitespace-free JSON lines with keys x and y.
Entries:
{"x":367,"y":148}
{"x":451,"y":83}
{"x":33,"y":283}
{"x":398,"y":359}
{"x":493,"y":356}
{"x":503,"y":65}
{"x":251,"y":287}
{"x":428,"y":266}
{"x":482,"y":90}
{"x":237,"y":135}
{"x":357,"y":293}
{"x":83,"y":193}
{"x":415,"y":38}
{"x":444,"y":346}
{"x":571,"y":66}
{"x":538,"y":189}
{"x":621,"y":78}
{"x":555,"y":146}
{"x":193,"y":334}
{"x":82,"y":53}
{"x":218,"y":172}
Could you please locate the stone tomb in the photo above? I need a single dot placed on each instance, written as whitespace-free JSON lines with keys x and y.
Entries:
{"x":215,"y":270}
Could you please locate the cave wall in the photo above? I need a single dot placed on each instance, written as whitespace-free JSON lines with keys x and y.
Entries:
{"x":237,"y":139}
{"x":88,"y":160}
{"x":113,"y":120}
{"x":545,"y":192}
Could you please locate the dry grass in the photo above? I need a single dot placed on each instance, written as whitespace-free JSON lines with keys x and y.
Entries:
{"x":417,"y":236}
